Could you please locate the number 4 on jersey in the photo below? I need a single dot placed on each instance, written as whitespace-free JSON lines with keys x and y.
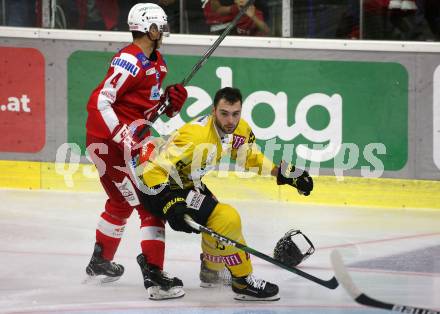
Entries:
{"x":115,"y":80}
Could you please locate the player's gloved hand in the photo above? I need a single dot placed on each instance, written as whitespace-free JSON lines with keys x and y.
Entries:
{"x":176,"y":213}
{"x":177,"y":95}
{"x":126,"y":140}
{"x":298,"y":178}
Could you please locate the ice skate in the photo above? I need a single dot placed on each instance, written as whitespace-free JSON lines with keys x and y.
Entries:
{"x":157,"y":282}
{"x":251,"y":289}
{"x":102,"y":270}
{"x":211,"y":278}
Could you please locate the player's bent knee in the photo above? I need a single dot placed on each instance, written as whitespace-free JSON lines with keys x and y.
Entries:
{"x":120,"y":210}
{"x":227,"y":219}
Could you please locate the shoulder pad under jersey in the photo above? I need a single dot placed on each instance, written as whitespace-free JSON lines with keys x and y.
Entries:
{"x":126,"y":62}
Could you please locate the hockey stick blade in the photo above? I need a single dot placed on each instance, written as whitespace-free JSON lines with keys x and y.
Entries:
{"x":330,"y":284}
{"x":346,"y":281}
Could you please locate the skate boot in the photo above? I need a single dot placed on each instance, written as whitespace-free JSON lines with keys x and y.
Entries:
{"x":211,"y":278}
{"x":101,"y":269}
{"x":157,"y":282}
{"x":249,"y":288}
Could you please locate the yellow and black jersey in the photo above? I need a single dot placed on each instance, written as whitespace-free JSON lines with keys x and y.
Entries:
{"x":197,"y":148}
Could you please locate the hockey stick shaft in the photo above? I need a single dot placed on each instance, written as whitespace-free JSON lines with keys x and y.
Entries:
{"x":358,"y":296}
{"x":214,"y":46}
{"x":330,"y":284}
{"x":198,"y":65}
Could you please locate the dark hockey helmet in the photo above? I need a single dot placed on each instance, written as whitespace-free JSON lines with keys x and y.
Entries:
{"x":293,"y":248}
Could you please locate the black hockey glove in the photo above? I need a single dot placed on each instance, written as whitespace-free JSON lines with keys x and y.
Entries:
{"x":298,"y":178}
{"x":169,"y":205}
{"x":175,"y":210}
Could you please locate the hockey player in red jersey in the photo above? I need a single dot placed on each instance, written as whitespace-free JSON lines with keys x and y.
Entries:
{"x":130,"y":92}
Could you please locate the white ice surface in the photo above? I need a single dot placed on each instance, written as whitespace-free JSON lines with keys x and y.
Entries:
{"x":46,"y":239}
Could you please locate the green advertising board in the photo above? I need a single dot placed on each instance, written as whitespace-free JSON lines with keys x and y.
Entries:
{"x":320,"y":111}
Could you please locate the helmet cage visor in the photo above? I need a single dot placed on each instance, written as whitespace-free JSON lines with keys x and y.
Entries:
{"x":164,"y":28}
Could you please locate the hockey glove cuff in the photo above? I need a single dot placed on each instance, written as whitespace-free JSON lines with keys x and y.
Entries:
{"x":175,"y":211}
{"x":177,"y":95}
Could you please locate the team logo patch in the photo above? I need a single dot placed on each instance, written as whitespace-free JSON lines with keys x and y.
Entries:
{"x":194,"y":200}
{"x":237,"y":141}
{"x":143,"y":59}
{"x":150,"y":71}
{"x":163,"y":68}
{"x":128,"y":192}
{"x":155,"y":93}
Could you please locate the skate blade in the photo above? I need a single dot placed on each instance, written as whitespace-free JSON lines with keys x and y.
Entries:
{"x":215,"y":285}
{"x":156,"y":293}
{"x":99,"y":279}
{"x":210,"y":285}
{"x":243,"y":297}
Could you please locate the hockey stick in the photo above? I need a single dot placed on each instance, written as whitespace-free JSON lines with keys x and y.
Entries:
{"x":345,"y":280}
{"x":198,"y":65}
{"x":330,"y":284}
{"x":163,"y":106}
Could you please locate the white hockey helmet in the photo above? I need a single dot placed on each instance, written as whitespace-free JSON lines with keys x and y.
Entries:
{"x":143,"y":15}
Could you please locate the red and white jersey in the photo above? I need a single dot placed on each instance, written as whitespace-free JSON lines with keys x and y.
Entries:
{"x":130,"y":88}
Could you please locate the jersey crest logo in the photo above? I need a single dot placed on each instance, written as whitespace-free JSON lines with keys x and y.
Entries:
{"x":163,"y":68}
{"x":237,"y":141}
{"x":143,"y":59}
{"x":124,"y":64}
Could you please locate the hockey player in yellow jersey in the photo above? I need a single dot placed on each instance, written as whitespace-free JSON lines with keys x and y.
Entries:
{"x":173,"y":178}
